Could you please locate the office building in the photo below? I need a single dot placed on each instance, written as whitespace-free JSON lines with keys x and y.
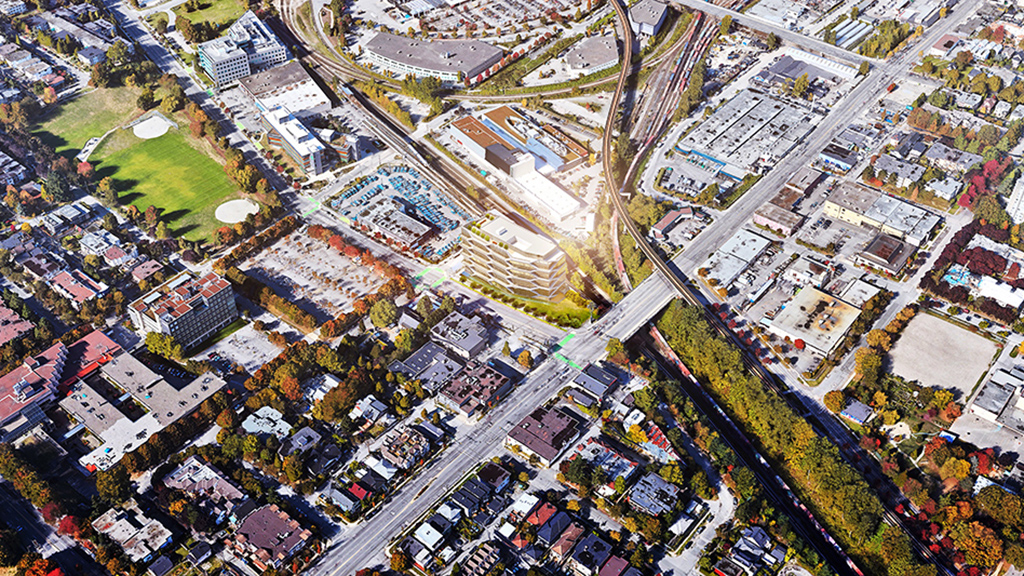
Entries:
{"x":287,"y":85}
{"x":189,"y":308}
{"x":248,"y":46}
{"x":287,"y":132}
{"x":508,"y":256}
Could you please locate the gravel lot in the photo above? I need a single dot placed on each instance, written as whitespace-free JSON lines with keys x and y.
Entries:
{"x":937,"y":353}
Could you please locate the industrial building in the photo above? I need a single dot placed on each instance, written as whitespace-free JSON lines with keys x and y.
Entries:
{"x":287,"y":132}
{"x":777,"y":218}
{"x":248,"y":46}
{"x":451,"y":61}
{"x":286,"y":85}
{"x":885,"y":253}
{"x":862,"y":206}
{"x":508,"y":256}
{"x":518,"y":147}
{"x":816,"y":318}
{"x":734,"y":256}
{"x":995,"y":394}
{"x":647,"y":16}
{"x":752,"y":130}
{"x":189,"y":308}
{"x":388,"y":217}
{"x":593,"y":55}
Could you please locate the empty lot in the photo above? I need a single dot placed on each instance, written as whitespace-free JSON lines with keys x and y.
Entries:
{"x":937,"y":353}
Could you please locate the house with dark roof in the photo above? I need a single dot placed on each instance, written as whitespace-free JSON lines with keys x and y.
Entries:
{"x":495,"y":476}
{"x":590,"y":554}
{"x":199,"y":553}
{"x":322,"y":459}
{"x":553,"y":528}
{"x":160,"y":567}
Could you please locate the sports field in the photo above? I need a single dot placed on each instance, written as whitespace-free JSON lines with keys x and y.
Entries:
{"x":169,"y":173}
{"x":87,"y":116}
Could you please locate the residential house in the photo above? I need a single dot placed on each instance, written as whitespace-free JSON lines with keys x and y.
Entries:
{"x":269,"y":537}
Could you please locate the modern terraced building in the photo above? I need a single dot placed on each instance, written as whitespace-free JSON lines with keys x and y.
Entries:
{"x":506,"y":255}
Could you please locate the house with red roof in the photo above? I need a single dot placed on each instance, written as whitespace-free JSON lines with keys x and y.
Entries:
{"x":542,"y":514}
{"x":77,"y":287}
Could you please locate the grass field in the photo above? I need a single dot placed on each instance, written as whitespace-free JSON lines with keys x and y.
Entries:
{"x":169,"y":173}
{"x":223,"y":12}
{"x":87,"y":116}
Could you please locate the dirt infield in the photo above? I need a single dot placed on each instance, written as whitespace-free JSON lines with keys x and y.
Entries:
{"x":153,"y":127}
{"x":234,"y":211}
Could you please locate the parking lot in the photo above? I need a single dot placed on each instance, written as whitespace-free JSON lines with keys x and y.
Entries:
{"x":316,"y":277}
{"x":247,"y":347}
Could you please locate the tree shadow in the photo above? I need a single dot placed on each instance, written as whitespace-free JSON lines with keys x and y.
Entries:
{"x":128,"y":198}
{"x":174,"y":216}
{"x":180,"y":232}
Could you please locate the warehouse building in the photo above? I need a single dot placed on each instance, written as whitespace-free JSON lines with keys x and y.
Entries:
{"x":287,"y":85}
{"x":451,"y":61}
{"x":817,"y":319}
{"x":862,"y":206}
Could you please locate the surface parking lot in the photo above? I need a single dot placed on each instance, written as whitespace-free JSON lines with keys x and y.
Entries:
{"x":315,"y":276}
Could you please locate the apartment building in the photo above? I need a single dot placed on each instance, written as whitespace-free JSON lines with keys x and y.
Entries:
{"x":187,"y":307}
{"x":504,"y":254}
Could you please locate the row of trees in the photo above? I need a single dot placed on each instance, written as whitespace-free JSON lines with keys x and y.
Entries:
{"x":256,"y":243}
{"x":841,"y":499}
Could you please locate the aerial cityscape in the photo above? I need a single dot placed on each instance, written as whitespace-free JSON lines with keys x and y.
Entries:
{"x":512,"y":287}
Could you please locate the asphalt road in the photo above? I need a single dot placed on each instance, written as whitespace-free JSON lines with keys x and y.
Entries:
{"x":804,"y":42}
{"x":365,"y":545}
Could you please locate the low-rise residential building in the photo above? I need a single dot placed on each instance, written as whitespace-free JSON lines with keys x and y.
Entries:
{"x":139,"y":536}
{"x":186,"y":307}
{"x":653,"y":495}
{"x":267,"y":422}
{"x":565,"y":543}
{"x":304,"y":439}
{"x":602,"y":457}
{"x":12,"y":326}
{"x":482,"y":561}
{"x":12,"y":172}
{"x":207,"y":485}
{"x":995,"y":394}
{"x":368,"y":410}
{"x":907,"y":173}
{"x":462,"y":335}
{"x":77,"y":287}
{"x":269,"y":537}
{"x":432,"y":365}
{"x":951,"y":159}
{"x":405,"y":447}
{"x":476,"y":389}
{"x":544,"y":434}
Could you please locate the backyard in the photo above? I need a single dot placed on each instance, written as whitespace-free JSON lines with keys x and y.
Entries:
{"x":170,"y":173}
{"x":87,"y":116}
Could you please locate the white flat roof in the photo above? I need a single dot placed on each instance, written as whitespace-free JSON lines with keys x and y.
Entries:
{"x":745,"y":245}
{"x":550,"y":196}
{"x":293,"y":131}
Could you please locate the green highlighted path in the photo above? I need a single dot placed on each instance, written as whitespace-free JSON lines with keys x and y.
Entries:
{"x":561,"y":358}
{"x":316,"y":206}
{"x":428,"y":269}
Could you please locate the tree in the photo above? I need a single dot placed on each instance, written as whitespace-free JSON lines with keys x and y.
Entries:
{"x":506,"y":350}
{"x":835,"y":401}
{"x":773,"y":41}
{"x":800,"y":85}
{"x":723,"y":28}
{"x":614,"y":347}
{"x":400,"y":561}
{"x":146,"y":100}
{"x":10,"y":548}
{"x":384,"y":313}
{"x":865,"y":67}
{"x":525,"y":359}
{"x":164,"y":345}
{"x":227,"y":419}
{"x":162,"y":232}
{"x":879,"y":339}
{"x":114,"y":485}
